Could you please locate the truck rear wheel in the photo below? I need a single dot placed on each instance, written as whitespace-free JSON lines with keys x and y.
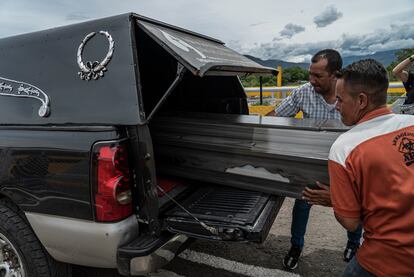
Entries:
{"x":21,"y":253}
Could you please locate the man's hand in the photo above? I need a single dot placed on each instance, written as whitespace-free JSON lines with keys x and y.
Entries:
{"x":320,"y":196}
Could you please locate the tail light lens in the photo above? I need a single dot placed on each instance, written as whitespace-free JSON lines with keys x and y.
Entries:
{"x":113,"y":201}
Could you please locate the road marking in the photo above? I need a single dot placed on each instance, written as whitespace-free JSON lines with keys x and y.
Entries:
{"x":232,"y":266}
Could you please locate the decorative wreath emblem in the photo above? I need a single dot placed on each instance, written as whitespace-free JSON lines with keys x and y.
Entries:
{"x":94,"y":70}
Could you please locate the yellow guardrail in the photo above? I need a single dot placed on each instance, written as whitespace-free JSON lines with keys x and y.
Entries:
{"x":277,"y":92}
{"x":396,"y":89}
{"x":261,"y":110}
{"x":265,"y":110}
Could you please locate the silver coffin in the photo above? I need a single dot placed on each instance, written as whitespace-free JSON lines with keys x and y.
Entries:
{"x":269,"y":154}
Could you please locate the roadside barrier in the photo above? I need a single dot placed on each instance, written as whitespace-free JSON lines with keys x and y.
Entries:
{"x":272,"y":96}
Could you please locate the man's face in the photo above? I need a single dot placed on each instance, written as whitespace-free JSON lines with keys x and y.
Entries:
{"x":321,"y":80}
{"x":350,"y":107}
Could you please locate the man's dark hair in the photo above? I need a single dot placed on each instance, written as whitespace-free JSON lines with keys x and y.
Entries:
{"x":368,"y":76}
{"x":332,"y":56}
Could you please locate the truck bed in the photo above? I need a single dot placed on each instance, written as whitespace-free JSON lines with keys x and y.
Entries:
{"x":268,"y":154}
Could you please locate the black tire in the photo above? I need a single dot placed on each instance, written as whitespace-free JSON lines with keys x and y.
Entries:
{"x":36,"y":262}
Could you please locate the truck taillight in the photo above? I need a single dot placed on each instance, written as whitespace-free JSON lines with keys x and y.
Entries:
{"x":113,"y":183}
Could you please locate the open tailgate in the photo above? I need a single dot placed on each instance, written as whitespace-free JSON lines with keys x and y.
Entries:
{"x":224,"y":213}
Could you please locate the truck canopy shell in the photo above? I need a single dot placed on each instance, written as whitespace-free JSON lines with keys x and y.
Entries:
{"x":202,"y":56}
{"x":88,"y":73}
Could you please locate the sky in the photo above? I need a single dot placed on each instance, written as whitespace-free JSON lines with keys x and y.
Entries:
{"x":268,"y":29}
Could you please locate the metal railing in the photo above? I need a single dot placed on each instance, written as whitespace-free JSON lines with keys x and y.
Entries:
{"x":273,"y":95}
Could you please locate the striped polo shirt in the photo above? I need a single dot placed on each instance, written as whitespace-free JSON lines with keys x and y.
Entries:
{"x":307,"y":100}
{"x":371,"y":170}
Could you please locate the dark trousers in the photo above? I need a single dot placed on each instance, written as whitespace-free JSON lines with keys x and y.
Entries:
{"x":300,"y":217}
{"x":354,"y":269}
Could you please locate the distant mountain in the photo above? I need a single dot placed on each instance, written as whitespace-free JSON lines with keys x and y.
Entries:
{"x":384,"y":57}
{"x":275,"y":63}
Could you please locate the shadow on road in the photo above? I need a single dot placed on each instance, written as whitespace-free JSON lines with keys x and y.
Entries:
{"x":316,"y":262}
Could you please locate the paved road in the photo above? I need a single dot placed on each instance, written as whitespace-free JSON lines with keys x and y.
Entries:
{"x":325,"y":240}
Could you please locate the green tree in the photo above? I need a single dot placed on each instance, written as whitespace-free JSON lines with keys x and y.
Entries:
{"x":254,"y":81}
{"x":290,"y":76}
{"x":400,"y":55}
{"x":294,"y":75}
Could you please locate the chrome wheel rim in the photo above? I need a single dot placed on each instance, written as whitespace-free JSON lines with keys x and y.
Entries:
{"x":10,"y":261}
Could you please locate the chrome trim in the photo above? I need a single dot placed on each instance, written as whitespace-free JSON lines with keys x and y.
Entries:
{"x":11,"y":264}
{"x":94,"y":70}
{"x":82,"y":242}
{"x":15,"y":88}
{"x":157,"y":259}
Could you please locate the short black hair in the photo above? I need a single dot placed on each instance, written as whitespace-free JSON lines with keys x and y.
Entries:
{"x":368,"y":75}
{"x":332,"y":56}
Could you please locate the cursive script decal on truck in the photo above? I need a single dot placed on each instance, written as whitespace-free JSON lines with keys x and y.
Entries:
{"x":21,"y":89}
{"x":94,"y":70}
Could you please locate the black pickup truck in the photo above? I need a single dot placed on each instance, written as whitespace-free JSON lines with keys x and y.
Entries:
{"x":122,"y":138}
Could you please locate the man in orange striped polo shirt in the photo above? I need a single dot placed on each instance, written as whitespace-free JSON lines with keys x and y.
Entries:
{"x":371,"y":170}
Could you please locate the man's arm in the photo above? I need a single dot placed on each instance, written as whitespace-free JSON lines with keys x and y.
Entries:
{"x":319,"y":196}
{"x":290,"y":106}
{"x":399,"y":71}
{"x":272,"y":113}
{"x":351,"y":224}
{"x":346,"y":200}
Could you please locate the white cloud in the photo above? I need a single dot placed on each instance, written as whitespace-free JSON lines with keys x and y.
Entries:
{"x":235,"y":45}
{"x":393,"y":37}
{"x":291,"y":29}
{"x":247,"y":28}
{"x":257,"y":24}
{"x":77,"y":17}
{"x":327,"y":17}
